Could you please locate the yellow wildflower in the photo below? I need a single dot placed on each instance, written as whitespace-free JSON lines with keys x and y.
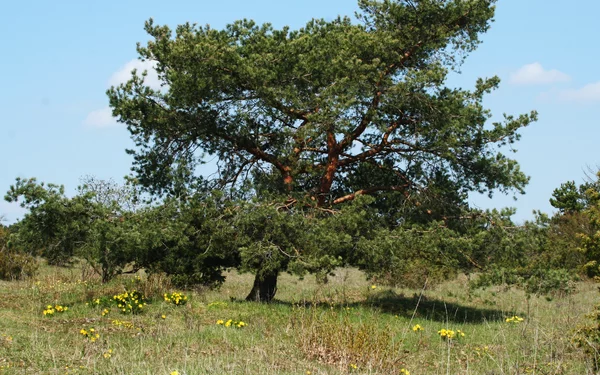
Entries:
{"x":514,"y":319}
{"x":446,"y":334}
{"x":417,"y":328}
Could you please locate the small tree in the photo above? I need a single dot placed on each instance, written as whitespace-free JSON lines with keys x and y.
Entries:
{"x":88,"y":225}
{"x":55,"y":225}
{"x":572,"y":229}
{"x":591,"y":240}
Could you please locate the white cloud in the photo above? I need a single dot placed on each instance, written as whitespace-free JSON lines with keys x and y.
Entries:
{"x":100,"y":118}
{"x":10,"y":212}
{"x":124,"y":74}
{"x":587,"y":93}
{"x":535,"y":74}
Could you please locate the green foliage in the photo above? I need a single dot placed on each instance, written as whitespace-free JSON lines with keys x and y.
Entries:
{"x":590,"y":238}
{"x":568,"y":198}
{"x":90,"y":225}
{"x":526,"y":257}
{"x":534,"y":281}
{"x":410,"y":256}
{"x":563,"y":245}
{"x":301,"y":121}
{"x":193,"y":241}
{"x":55,"y":224}
{"x":333,"y":110}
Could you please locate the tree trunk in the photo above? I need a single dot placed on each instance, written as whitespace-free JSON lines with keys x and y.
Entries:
{"x":264,"y":288}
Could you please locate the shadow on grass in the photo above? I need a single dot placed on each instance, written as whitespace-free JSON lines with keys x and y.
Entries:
{"x":431,"y":309}
{"x":424,"y":308}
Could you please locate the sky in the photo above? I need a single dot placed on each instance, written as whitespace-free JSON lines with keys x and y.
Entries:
{"x":59,"y":57}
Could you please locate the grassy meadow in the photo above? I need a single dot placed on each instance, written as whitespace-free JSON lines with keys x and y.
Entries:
{"x":346,"y":326}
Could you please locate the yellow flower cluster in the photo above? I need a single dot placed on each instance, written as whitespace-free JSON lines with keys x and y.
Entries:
{"x":107,"y":354}
{"x":449,"y":334}
{"x":105,"y":312}
{"x":231,"y":323}
{"x":51,"y":310}
{"x":404,"y":372}
{"x":514,"y":319}
{"x":446,"y":333}
{"x":177,"y":299}
{"x":130,"y":302}
{"x":92,"y":334}
{"x":417,"y":328}
{"x":124,"y":324}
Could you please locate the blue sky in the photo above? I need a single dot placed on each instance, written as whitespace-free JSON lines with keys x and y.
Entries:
{"x":59,"y":57}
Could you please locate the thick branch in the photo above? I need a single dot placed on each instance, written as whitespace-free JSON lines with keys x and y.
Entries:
{"x":373,"y":151}
{"x":370,"y":190}
{"x":332,"y":164}
{"x":364,"y":122}
{"x":261,"y":155}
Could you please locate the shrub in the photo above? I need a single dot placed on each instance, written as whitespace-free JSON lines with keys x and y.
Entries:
{"x":16,"y":266}
{"x":587,"y":338}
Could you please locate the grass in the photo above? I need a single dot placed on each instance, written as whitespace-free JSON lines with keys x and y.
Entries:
{"x":347,"y":326}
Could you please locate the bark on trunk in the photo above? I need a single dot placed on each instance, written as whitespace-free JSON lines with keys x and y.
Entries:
{"x":264,"y":288}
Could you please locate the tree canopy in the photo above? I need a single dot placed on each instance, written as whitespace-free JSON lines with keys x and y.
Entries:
{"x":325,"y":113}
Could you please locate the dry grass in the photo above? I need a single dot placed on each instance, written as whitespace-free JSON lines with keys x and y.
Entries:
{"x":342,"y":327}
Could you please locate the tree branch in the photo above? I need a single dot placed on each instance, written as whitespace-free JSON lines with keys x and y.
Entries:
{"x":370,"y":190}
